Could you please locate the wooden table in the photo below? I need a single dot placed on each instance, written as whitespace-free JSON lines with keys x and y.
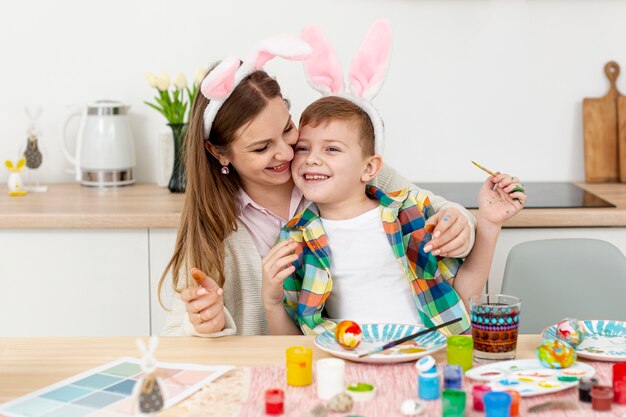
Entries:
{"x":28,"y":364}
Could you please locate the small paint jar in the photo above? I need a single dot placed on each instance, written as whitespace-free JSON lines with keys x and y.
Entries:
{"x":460,"y":350}
{"x":428,"y":384}
{"x":515,"y":400}
{"x":299,"y":366}
{"x":361,"y":391}
{"x":497,"y":404}
{"x":330,"y":377}
{"x":478,"y":391}
{"x":453,"y":403}
{"x":274,"y":401}
{"x":601,"y":397}
{"x":584,"y":389}
{"x":452,"y":377}
{"x":619,"y":383}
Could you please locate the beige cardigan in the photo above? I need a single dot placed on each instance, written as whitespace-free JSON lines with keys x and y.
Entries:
{"x":243,"y":306}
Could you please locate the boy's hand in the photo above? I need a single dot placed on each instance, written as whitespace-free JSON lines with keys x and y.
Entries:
{"x":451,"y":233}
{"x":276,"y":267}
{"x":204,"y":304}
{"x":500,"y":198}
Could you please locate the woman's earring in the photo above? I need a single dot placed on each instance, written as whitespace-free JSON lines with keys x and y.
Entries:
{"x":225,"y":170}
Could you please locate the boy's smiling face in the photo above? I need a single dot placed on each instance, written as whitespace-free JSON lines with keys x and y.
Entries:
{"x":329,"y":166}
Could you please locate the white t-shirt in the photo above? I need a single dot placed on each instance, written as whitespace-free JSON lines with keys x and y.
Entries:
{"x":369,"y":285}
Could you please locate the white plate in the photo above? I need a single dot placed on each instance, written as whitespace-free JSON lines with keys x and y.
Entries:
{"x":605,"y":340}
{"x":375,"y":335}
{"x":528,"y":376}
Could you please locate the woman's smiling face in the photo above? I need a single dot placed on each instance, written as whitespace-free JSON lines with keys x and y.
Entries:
{"x":262,"y":151}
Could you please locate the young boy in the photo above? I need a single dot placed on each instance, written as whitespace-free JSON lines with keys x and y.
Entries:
{"x":358,"y":253}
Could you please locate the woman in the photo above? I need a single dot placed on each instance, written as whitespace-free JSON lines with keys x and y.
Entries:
{"x":239,"y":194}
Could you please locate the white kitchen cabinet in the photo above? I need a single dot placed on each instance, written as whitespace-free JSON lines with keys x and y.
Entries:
{"x":80,"y":282}
{"x":162,"y":242}
{"x":511,"y":237}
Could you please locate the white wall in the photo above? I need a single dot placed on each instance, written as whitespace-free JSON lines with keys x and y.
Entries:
{"x":498,"y":81}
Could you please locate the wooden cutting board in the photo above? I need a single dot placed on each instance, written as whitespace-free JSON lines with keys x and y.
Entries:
{"x":600,"y":125}
{"x":621,"y":136}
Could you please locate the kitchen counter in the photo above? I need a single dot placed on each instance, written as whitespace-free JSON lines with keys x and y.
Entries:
{"x":150,"y":206}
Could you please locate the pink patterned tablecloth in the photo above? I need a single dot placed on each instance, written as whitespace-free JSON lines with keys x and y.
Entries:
{"x":395,"y":384}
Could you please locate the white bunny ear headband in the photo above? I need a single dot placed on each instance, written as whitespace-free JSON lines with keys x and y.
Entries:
{"x":222,"y":80}
{"x":366,"y":75}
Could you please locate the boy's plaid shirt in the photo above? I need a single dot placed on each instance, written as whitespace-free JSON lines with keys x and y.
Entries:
{"x":403,"y":214}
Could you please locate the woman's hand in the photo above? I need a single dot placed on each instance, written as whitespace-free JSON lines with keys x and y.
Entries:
{"x":205,"y":304}
{"x":276,"y":267}
{"x":500,"y":198}
{"x":451,"y":233}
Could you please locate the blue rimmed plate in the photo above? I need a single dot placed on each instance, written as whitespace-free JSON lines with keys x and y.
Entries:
{"x":605,"y":340}
{"x":375,"y":335}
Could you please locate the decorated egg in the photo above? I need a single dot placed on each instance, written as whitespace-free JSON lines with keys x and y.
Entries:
{"x":571,"y":331}
{"x":556,"y":354}
{"x":348,"y":334}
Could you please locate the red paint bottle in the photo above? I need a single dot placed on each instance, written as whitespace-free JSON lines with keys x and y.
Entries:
{"x":274,"y":401}
{"x":601,"y":397}
{"x":478,"y":392}
{"x":619,"y":383}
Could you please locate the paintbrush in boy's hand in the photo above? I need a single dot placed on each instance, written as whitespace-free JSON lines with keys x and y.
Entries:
{"x":409,"y":337}
{"x":493,"y":174}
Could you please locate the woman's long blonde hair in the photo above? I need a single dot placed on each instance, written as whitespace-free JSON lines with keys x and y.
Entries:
{"x":211,"y":202}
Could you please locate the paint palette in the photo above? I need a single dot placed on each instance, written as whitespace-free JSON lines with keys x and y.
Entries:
{"x":107,"y":390}
{"x":375,"y":335}
{"x":605,"y":340}
{"x":529,"y":377}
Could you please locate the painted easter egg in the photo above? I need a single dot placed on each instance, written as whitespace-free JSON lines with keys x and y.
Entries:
{"x":556,"y":354}
{"x":348,"y":334}
{"x":571,"y":331}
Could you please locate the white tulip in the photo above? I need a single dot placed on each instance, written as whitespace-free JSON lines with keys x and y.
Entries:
{"x":180,"y":82}
{"x":152,"y":79}
{"x":163,"y":81}
{"x":200,"y":74}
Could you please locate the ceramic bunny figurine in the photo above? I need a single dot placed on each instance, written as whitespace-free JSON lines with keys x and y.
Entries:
{"x":148,"y":392}
{"x":15,"y":182}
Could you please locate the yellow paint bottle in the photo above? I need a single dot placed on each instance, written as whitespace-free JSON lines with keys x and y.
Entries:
{"x":299,"y":366}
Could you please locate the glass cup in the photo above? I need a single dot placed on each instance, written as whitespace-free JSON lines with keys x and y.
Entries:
{"x":495,"y":321}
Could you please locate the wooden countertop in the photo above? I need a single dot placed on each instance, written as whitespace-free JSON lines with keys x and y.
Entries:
{"x":150,"y":206}
{"x":28,"y":364}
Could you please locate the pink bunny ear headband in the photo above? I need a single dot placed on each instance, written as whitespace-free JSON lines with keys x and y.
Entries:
{"x":222,"y":80}
{"x":366,"y":75}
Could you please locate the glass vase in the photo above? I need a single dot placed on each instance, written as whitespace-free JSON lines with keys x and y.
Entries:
{"x":178,"y":180}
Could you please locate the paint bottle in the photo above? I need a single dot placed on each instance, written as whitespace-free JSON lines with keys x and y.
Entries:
{"x":299,"y":366}
{"x":452,"y":377}
{"x":515,"y":400}
{"x":453,"y":403}
{"x":478,"y":391}
{"x":460,"y":350}
{"x":428,"y":384}
{"x":497,"y":404}
{"x":274,"y":401}
{"x":619,"y":383}
{"x":601,"y":397}
{"x":330,"y":377}
{"x":584,"y":389}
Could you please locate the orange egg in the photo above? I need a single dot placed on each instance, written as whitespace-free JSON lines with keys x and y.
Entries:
{"x":348,"y":334}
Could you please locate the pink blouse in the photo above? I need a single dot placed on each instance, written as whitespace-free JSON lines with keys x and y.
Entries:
{"x":263,"y":225}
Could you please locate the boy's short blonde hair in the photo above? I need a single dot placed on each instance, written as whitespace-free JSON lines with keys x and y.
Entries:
{"x":331,"y":108}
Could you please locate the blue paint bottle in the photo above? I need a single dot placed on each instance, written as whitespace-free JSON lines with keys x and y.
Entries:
{"x":428,"y":380}
{"x":452,"y":377}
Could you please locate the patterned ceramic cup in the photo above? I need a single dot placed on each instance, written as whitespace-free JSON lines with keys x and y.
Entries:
{"x":495,"y":321}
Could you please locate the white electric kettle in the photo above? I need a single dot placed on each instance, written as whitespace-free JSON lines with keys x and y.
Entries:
{"x":105,"y":152}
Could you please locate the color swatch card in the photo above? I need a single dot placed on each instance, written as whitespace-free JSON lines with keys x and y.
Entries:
{"x":108,"y":390}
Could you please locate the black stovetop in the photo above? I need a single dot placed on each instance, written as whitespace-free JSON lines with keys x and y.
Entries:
{"x":540,"y":194}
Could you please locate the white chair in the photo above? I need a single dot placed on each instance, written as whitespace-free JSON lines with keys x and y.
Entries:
{"x":558,"y":278}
